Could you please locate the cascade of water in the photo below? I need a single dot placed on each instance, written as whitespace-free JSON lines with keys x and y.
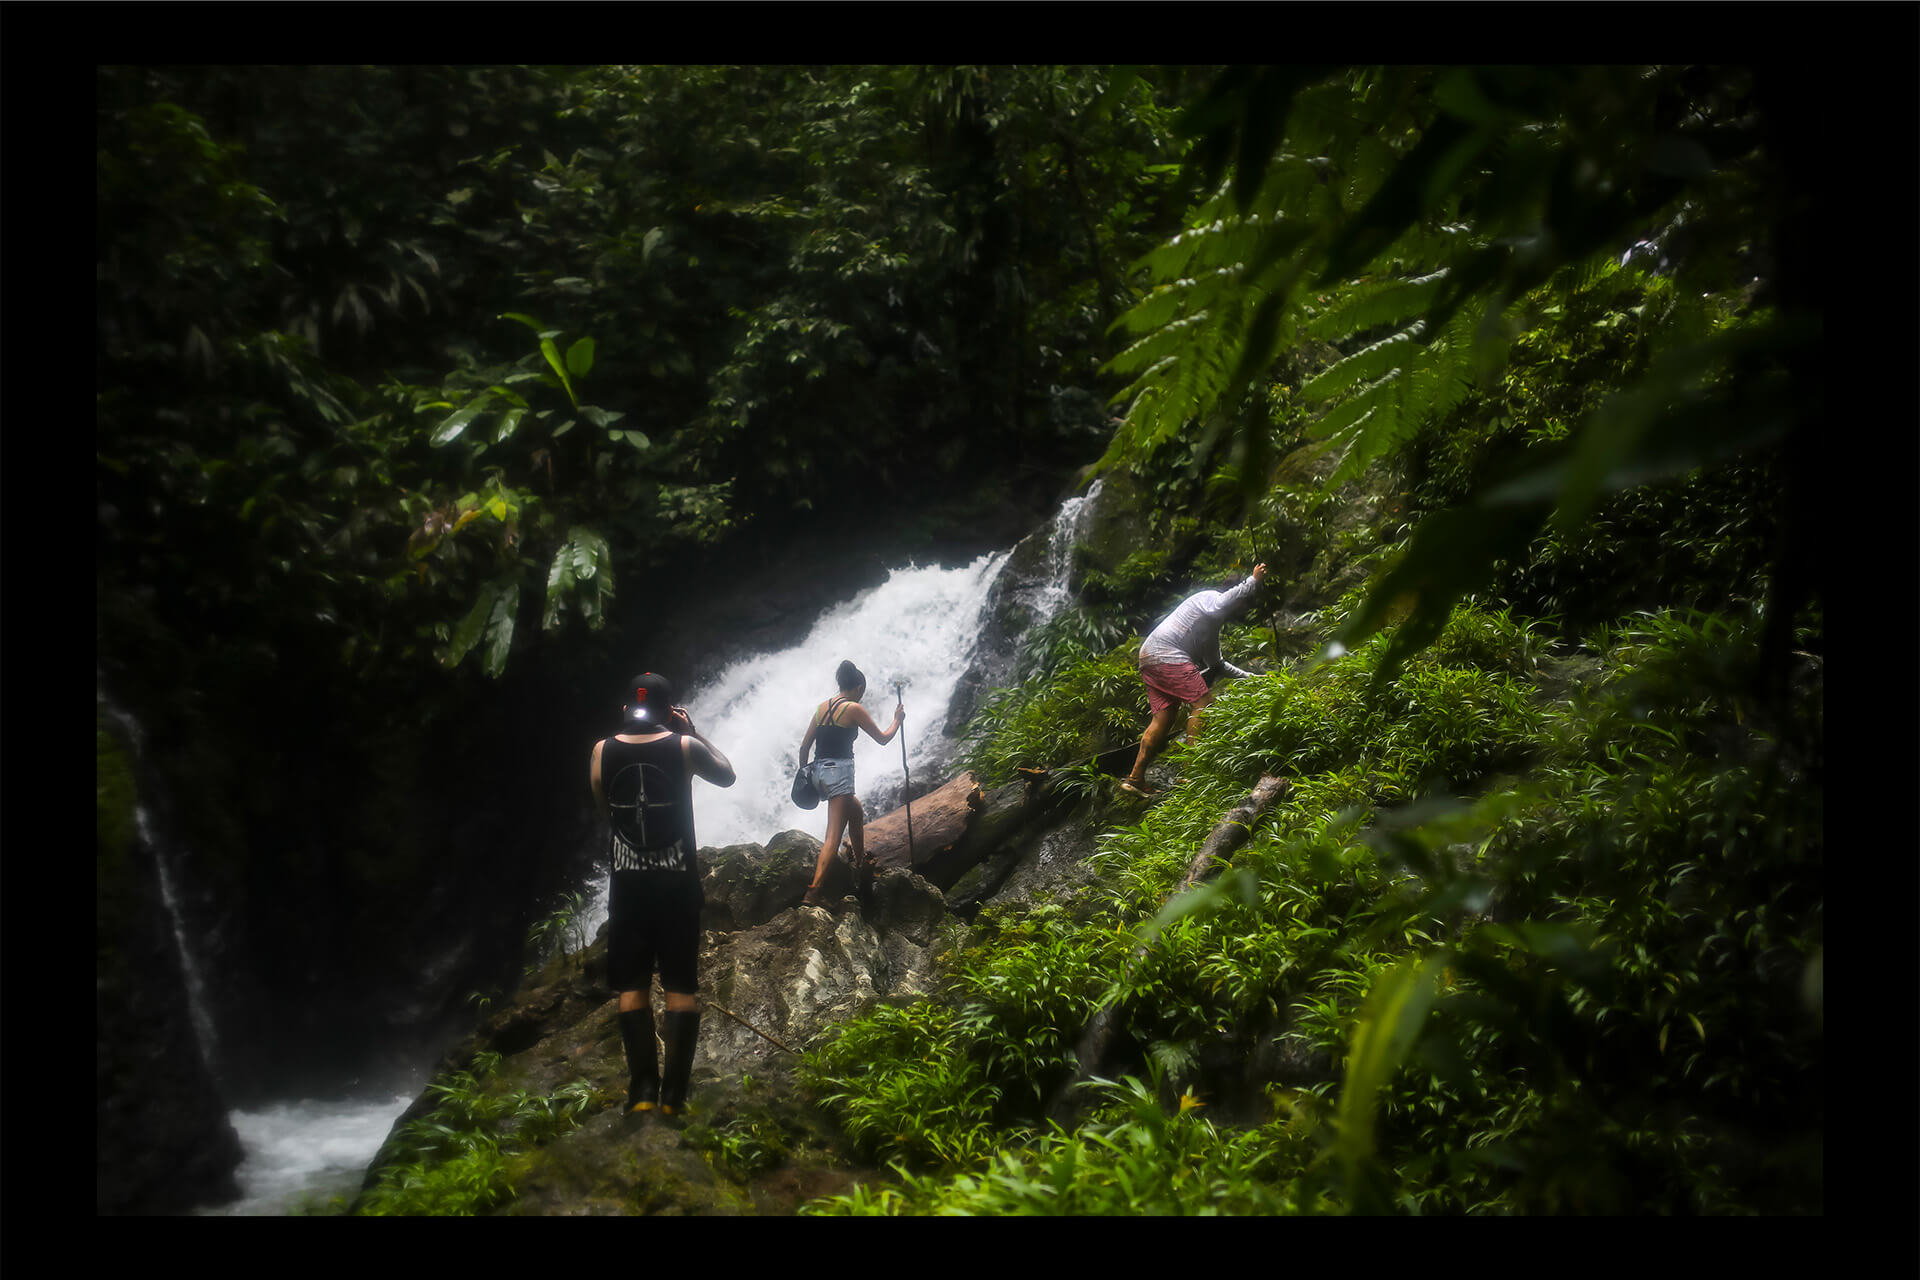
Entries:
{"x":1047,"y":597}
{"x":917,"y":628}
{"x":198,"y":1004}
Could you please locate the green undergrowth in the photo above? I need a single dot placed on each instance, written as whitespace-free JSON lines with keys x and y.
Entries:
{"x":1537,"y":927}
{"x":459,"y":1159}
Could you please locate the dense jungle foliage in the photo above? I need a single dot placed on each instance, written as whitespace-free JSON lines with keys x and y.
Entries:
{"x":1538,"y":926}
{"x":1512,"y":375}
{"x":429,"y":351}
{"x":424,"y":391}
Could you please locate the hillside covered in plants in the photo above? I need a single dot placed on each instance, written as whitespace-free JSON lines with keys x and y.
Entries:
{"x":1496,"y":889}
{"x":1536,"y":922}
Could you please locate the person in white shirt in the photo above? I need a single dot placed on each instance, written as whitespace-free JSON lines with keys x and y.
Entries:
{"x":1174,"y":661}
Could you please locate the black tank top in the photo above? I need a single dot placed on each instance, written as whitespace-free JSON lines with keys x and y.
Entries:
{"x":834,"y":741}
{"x":650,"y":803}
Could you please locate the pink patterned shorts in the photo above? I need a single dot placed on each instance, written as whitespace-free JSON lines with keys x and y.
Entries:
{"x":1171,"y":682}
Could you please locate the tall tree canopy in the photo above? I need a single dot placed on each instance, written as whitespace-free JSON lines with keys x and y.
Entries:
{"x":440,"y":351}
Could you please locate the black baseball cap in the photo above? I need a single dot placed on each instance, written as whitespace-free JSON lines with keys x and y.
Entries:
{"x":649,"y":700}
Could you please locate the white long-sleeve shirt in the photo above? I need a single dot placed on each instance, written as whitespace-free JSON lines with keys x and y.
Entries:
{"x":1191,"y":633}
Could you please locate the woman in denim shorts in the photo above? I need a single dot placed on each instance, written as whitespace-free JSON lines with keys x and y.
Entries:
{"x":830,"y":733}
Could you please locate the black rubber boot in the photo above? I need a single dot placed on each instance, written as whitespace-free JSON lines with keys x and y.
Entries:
{"x":643,"y":1069}
{"x":681,"y":1032}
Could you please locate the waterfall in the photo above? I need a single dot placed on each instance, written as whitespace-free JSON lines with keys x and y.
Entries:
{"x":198,"y":1005}
{"x":917,"y":628}
{"x":1046,"y":597}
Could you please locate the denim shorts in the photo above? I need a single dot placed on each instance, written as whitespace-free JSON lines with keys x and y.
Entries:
{"x":833,"y":777}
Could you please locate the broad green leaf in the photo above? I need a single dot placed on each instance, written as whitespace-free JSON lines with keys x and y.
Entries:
{"x":1235,"y":885}
{"x":500,"y":628}
{"x":580,"y":357}
{"x":1696,"y":424}
{"x":552,"y":353}
{"x":508,"y":422}
{"x":456,"y":422}
{"x":1391,"y":209}
{"x":1382,"y":1035}
{"x":471,"y":627}
{"x":1451,"y":553}
{"x":559,"y":582}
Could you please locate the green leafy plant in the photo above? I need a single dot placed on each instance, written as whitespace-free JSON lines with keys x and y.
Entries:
{"x":457,"y":1159}
{"x":743,"y":1145}
{"x":549,"y":935}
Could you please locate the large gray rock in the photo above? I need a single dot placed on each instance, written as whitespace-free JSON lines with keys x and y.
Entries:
{"x":784,"y":979}
{"x":750,"y":884}
{"x":810,"y":967}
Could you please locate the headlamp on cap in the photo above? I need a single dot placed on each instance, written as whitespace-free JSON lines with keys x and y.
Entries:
{"x":650,"y":701}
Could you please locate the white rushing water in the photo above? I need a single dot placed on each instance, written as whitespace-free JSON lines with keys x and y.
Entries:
{"x":190,"y":967}
{"x":1052,"y":593}
{"x":916,"y":628}
{"x":301,"y":1154}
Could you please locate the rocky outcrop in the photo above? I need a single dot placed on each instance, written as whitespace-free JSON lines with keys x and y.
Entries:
{"x":774,"y":976}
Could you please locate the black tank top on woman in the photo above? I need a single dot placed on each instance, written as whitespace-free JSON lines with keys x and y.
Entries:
{"x":834,"y":741}
{"x":650,"y":804}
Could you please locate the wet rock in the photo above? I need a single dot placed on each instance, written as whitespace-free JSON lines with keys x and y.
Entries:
{"x":749,"y":884}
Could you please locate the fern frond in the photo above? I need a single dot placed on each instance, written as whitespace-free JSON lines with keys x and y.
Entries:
{"x":1182,"y":300}
{"x":1369,"y":362}
{"x":1376,"y":305}
{"x":1368,"y":163}
{"x":1346,"y":413}
{"x":1377,"y":431}
{"x":1220,"y":241}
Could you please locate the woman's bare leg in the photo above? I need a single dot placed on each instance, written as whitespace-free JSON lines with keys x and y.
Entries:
{"x":836,"y":822}
{"x":857,"y":829}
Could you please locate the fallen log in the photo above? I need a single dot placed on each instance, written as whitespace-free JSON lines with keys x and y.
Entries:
{"x":940,"y":819}
{"x":957,"y":827}
{"x":1232,"y":831}
{"x":1227,"y":835}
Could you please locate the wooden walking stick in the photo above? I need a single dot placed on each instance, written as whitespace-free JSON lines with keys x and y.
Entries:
{"x":906,"y":776}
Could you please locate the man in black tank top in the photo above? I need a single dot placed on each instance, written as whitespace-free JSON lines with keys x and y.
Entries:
{"x":643,"y":784}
